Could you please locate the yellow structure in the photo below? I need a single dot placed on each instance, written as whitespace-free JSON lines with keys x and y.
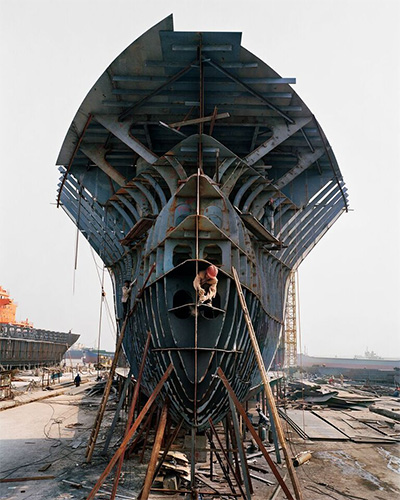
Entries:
{"x":291,"y":324}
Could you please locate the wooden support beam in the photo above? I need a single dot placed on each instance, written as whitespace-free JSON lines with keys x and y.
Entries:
{"x":23,"y":479}
{"x":117,"y":411}
{"x":170,"y":442}
{"x":146,"y":437}
{"x":196,"y":121}
{"x":107,"y":389}
{"x":132,"y":411}
{"x":106,"y":393}
{"x":143,"y":428}
{"x":213,"y":118}
{"x":274,"y":435}
{"x":131,"y":432}
{"x":267,"y":388}
{"x":233,"y":441}
{"x":154,"y":454}
{"x":254,"y":433}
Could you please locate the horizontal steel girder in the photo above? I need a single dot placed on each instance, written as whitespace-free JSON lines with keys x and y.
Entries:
{"x":280,"y":134}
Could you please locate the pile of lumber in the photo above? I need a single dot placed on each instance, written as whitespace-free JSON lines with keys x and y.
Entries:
{"x":174,"y":471}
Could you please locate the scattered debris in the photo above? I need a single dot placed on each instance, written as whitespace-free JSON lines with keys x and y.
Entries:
{"x":386,"y":412}
{"x":174,"y":471}
{"x":44,"y":467}
{"x":301,"y":458}
{"x":23,"y":479}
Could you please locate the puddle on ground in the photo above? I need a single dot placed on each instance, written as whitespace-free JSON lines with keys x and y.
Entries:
{"x":393,"y":462}
{"x":339,"y":458}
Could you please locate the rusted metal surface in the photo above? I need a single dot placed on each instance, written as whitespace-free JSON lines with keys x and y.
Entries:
{"x":254,"y":433}
{"x":158,"y":196}
{"x":245,"y":495}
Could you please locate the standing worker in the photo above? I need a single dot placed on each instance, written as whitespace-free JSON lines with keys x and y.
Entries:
{"x":269,"y":214}
{"x":77,"y":380}
{"x":126,"y":293}
{"x":205,"y":283}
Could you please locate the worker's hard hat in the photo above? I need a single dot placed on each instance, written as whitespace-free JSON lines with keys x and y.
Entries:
{"x":212,"y":271}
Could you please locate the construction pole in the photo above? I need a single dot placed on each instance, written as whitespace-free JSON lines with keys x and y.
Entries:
{"x":106,"y":393}
{"x":254,"y":433}
{"x":107,"y":389}
{"x":154,"y":454}
{"x":267,"y":388}
{"x":130,"y":434}
{"x":131,"y":412}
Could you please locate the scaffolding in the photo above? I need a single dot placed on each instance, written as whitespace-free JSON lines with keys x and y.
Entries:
{"x":290,"y":341}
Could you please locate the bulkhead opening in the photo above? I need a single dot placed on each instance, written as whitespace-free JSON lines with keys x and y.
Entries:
{"x":213,"y":254}
{"x":181,"y":298}
{"x":208,"y":312}
{"x":181,"y":253}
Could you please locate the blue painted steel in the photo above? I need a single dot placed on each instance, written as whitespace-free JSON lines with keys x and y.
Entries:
{"x":194,"y":189}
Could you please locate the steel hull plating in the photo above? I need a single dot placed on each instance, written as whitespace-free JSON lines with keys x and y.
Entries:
{"x":188,"y":151}
{"x":221,"y":340}
{"x":32,"y":347}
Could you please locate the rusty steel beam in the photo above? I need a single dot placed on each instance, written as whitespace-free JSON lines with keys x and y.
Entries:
{"x":175,"y":77}
{"x":221,"y":464}
{"x":98,"y":156}
{"x":249,"y":89}
{"x":254,"y":433}
{"x":304,"y":162}
{"x":230,"y":466}
{"x":121,"y":130}
{"x":279,"y":134}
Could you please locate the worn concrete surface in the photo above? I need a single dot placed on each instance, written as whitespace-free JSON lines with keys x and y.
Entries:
{"x":54,"y":432}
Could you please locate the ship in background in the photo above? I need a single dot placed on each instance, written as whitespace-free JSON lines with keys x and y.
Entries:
{"x":368,"y":368}
{"x":190,"y":151}
{"x":22,"y":345}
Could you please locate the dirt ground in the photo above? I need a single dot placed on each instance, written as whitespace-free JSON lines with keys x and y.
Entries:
{"x":53,"y":432}
{"x":348,"y":470}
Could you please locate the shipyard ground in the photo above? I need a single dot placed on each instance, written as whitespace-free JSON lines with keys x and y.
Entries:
{"x":47,"y":438}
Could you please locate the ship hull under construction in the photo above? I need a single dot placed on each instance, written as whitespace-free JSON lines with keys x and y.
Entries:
{"x":30,"y":347}
{"x":190,"y":151}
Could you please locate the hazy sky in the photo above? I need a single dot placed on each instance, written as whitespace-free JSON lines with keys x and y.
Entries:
{"x":345,"y":56}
